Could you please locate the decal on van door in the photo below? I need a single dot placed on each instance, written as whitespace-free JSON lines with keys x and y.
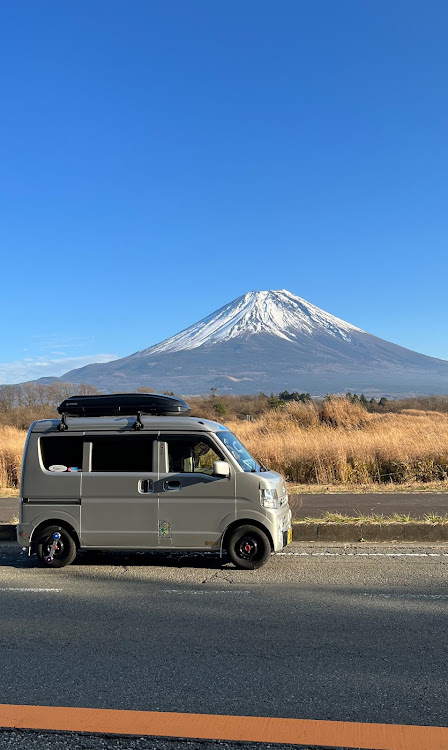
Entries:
{"x":165,"y":530}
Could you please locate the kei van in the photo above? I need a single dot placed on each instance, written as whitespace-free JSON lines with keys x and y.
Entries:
{"x":133,"y":472}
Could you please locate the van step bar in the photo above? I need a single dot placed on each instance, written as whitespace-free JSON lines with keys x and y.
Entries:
{"x":123,"y":404}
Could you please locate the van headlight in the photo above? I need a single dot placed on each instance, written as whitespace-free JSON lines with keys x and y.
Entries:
{"x":270,"y":498}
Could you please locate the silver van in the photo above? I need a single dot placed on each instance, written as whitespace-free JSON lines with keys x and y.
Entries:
{"x":102,"y":479}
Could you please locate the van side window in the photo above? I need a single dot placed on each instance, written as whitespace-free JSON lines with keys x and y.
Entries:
{"x":61,"y":451}
{"x":121,"y":453}
{"x":191,"y":453}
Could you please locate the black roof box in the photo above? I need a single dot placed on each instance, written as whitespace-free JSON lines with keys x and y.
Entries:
{"x":130,"y":404}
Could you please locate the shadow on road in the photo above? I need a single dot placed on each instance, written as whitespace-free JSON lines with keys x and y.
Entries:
{"x":151,"y":559}
{"x":16,"y":558}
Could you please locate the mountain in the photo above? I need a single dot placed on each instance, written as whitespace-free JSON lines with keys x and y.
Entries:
{"x":271,"y":341}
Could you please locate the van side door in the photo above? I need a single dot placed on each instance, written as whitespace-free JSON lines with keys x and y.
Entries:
{"x":119,"y":506}
{"x":194,"y":505}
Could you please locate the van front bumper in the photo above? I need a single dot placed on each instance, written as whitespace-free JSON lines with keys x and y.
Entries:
{"x":283,"y":534}
{"x":287,"y":537}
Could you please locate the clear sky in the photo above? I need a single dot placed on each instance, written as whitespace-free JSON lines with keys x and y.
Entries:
{"x":158,"y":158}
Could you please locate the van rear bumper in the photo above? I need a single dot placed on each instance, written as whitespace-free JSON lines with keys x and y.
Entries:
{"x":24,"y":532}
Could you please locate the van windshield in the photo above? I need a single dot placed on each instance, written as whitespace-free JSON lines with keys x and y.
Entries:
{"x":238,"y":451}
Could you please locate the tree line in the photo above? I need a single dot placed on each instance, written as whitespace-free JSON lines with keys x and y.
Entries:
{"x":22,"y":404}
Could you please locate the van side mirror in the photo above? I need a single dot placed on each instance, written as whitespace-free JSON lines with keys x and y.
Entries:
{"x":221,"y":469}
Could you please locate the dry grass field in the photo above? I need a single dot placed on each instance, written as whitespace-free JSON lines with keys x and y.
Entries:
{"x":337,"y":444}
{"x":344,"y":444}
{"x":12,"y":441}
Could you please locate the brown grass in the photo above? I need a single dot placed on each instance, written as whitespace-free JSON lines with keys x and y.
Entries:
{"x":348,"y":445}
{"x":12,"y":441}
{"x":340,"y":518}
{"x":337,"y":444}
{"x":404,"y":488}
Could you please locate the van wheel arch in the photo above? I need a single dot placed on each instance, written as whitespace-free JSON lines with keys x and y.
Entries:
{"x":245,"y":522}
{"x":54,"y":522}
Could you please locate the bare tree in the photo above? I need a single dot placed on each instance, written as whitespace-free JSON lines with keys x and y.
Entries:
{"x":9,"y":397}
{"x":30,"y":395}
{"x":84,"y":389}
{"x":43,"y":394}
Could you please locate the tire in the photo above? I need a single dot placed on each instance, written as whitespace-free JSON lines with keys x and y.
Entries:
{"x":248,"y":547}
{"x":65,"y":551}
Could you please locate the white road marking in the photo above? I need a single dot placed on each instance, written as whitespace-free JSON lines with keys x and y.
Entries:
{"x":33,"y":591}
{"x":362,"y":554}
{"x":405,"y":596}
{"x":205,"y":591}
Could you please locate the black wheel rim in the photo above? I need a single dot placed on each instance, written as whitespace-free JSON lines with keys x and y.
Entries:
{"x":247,"y":547}
{"x":59,"y":549}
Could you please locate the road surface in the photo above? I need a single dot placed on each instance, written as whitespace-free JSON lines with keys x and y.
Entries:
{"x":344,"y":633}
{"x":414,"y":504}
{"x":9,"y":509}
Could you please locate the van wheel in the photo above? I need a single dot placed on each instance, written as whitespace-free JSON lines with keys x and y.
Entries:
{"x":248,"y":547}
{"x":65,"y":547}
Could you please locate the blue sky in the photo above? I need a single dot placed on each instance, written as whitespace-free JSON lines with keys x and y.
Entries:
{"x":159,"y":159}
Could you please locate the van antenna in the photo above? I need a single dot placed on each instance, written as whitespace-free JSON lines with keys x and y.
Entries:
{"x":62,"y":426}
{"x":138,"y":424}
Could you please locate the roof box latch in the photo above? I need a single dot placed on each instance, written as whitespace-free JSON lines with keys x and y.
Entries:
{"x":138,"y":424}
{"x":62,"y":426}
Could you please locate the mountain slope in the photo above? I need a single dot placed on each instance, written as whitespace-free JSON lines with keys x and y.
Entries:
{"x":271,"y":341}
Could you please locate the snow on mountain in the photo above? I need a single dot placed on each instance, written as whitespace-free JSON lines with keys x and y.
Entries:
{"x":274,"y":312}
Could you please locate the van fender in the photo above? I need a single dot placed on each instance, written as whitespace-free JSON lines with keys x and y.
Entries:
{"x":59,"y":516}
{"x":223,"y":526}
{"x":247,"y":516}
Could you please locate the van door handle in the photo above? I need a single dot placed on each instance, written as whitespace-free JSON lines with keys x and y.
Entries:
{"x":145,"y":486}
{"x":172,"y":484}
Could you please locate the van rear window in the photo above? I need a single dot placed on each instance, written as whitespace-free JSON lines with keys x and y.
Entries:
{"x":121,"y":453}
{"x":61,"y":453}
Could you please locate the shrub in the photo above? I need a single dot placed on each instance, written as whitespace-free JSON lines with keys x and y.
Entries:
{"x":340,"y":412}
{"x":219,"y":408}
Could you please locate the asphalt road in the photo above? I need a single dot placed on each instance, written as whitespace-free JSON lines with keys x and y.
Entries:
{"x":27,"y":740}
{"x":9,"y":507}
{"x":416,"y":504}
{"x":350,"y":633}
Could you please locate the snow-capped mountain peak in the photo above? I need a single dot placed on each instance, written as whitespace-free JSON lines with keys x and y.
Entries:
{"x":279,"y":313}
{"x":271,"y":341}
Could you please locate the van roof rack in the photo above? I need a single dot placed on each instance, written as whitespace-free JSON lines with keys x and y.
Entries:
{"x":123,"y":404}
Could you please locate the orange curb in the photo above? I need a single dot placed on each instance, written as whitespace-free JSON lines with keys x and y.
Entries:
{"x":218,"y":727}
